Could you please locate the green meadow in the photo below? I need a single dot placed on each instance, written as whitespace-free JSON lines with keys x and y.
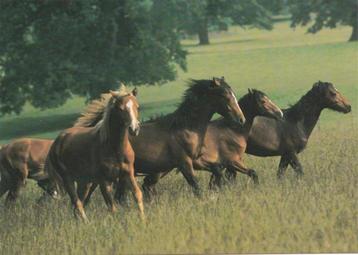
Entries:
{"x":317,"y":213}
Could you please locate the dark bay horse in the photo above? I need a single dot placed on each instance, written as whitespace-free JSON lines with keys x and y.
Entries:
{"x":101,"y":154}
{"x":269,"y":137}
{"x":175,"y":140}
{"x":224,"y":143}
{"x":22,"y":159}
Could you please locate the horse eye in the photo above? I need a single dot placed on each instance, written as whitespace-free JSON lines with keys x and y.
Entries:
{"x":332,"y":93}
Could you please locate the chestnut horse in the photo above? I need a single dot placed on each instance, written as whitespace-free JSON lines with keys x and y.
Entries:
{"x":224,"y":143}
{"x":269,"y":137}
{"x":21,"y":159}
{"x":175,"y":140}
{"x":101,"y":154}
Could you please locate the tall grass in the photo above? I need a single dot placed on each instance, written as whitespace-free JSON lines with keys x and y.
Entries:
{"x":317,"y":213}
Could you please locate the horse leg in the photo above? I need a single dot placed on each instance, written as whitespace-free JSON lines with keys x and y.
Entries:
{"x":4,"y":186}
{"x":83,"y":189}
{"x":230,"y":175}
{"x":216,"y":177}
{"x":296,"y":165}
{"x":106,"y":189}
{"x":18,"y":181}
{"x":90,"y":192}
{"x":69,"y":185}
{"x":188,"y":171}
{"x":148,"y":186}
{"x":121,"y":192}
{"x":14,"y":190}
{"x":50,"y":189}
{"x":240,"y":167}
{"x":136,"y":192}
{"x":284,"y":161}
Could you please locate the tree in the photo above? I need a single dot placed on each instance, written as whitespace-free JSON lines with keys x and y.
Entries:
{"x":50,"y":50}
{"x":198,"y":15}
{"x":325,"y":13}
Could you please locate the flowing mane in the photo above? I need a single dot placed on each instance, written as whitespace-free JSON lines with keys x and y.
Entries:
{"x":296,"y":111}
{"x":193,"y":98}
{"x":93,"y":112}
{"x":97,"y":113}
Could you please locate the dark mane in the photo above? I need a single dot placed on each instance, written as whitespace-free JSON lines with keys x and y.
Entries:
{"x":192,"y":98}
{"x":295,"y":111}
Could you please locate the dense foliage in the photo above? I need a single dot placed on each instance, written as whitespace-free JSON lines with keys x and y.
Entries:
{"x":50,"y":50}
{"x":325,"y":13}
{"x":195,"y":17}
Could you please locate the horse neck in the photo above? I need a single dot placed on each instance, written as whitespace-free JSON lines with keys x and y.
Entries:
{"x":248,"y":109}
{"x":118,"y":138}
{"x":306,"y":112}
{"x":196,"y":119}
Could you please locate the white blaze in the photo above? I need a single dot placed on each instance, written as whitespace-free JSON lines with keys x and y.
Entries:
{"x":134,"y":122}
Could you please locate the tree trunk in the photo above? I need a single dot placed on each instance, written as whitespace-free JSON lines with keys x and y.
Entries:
{"x":203,"y":32}
{"x":354,"y":36}
{"x":354,"y":23}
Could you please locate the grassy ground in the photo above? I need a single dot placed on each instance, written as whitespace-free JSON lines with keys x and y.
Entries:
{"x":315,"y":214}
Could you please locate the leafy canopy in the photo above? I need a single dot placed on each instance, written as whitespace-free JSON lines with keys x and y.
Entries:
{"x":325,"y":13}
{"x":51,"y":49}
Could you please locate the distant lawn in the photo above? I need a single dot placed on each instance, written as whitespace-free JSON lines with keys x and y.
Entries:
{"x":284,"y":63}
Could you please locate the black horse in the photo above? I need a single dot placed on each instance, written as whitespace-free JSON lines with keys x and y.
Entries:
{"x":270,"y":137}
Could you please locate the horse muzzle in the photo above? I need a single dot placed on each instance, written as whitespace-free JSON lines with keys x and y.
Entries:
{"x":348,"y":109}
{"x":279,"y":115}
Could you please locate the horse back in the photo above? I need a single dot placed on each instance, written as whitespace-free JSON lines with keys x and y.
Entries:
{"x":26,"y":155}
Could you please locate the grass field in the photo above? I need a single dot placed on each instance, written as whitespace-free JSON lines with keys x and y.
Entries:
{"x":315,"y":214}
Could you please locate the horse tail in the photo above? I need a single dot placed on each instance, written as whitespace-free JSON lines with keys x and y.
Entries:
{"x":52,"y":165}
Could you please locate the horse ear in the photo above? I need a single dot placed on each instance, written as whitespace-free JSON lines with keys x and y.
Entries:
{"x":216,"y":81}
{"x":250,"y":91}
{"x":222,"y":78}
{"x":317,"y":84}
{"x":135,"y":92}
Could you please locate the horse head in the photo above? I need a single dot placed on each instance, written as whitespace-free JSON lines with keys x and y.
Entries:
{"x":263,"y":105}
{"x":330,"y":97}
{"x":128,"y":107}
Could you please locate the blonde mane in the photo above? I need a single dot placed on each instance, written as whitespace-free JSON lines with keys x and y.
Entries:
{"x":97,"y":113}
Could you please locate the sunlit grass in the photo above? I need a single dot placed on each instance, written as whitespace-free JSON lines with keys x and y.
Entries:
{"x":315,"y":214}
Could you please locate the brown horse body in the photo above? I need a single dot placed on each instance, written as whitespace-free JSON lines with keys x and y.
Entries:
{"x":100,"y":154}
{"x":269,"y":137}
{"x":22,"y":159}
{"x":175,"y":140}
{"x":225,"y":143}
